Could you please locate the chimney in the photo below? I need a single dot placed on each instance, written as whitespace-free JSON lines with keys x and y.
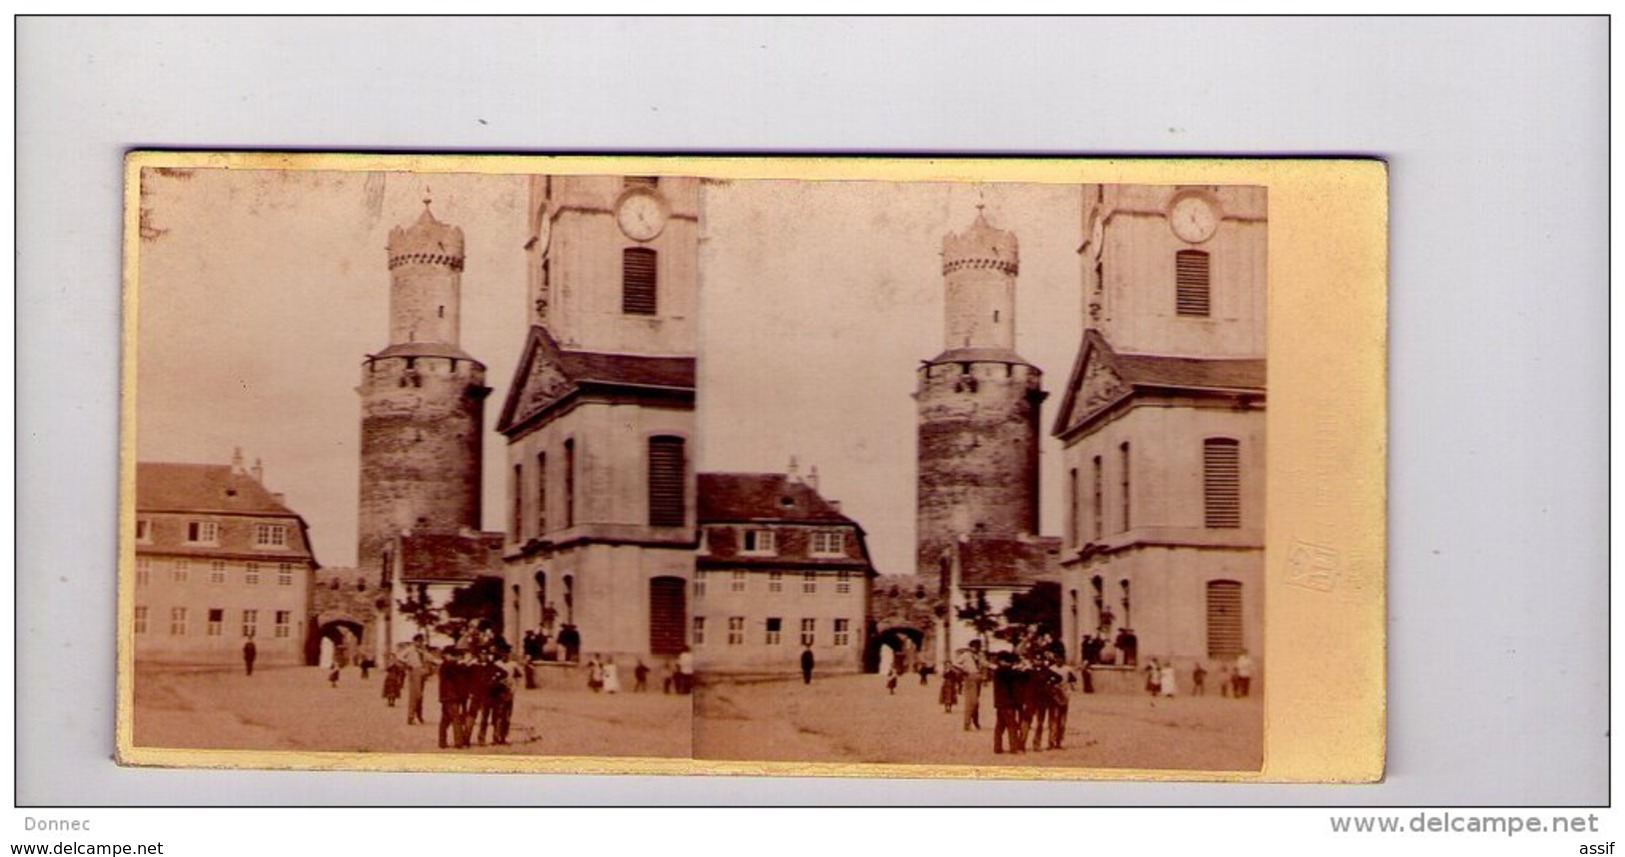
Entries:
{"x":834,"y":504}
{"x":280,"y":498}
{"x":812,"y":478}
{"x":793,"y":471}
{"x":259,"y":471}
{"x":237,"y":460}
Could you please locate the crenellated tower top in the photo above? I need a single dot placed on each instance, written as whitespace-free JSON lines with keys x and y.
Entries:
{"x":981,"y":246}
{"x":979,"y":268}
{"x":426,"y":242}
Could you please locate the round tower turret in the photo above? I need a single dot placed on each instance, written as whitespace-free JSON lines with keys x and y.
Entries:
{"x":978,"y":404}
{"x":426,"y":279}
{"x":422,"y":399}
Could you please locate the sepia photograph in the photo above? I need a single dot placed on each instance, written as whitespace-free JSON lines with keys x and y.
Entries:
{"x":589,"y":465}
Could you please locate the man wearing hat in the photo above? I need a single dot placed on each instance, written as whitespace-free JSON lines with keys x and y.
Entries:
{"x":970,"y":662}
{"x":453,"y":689}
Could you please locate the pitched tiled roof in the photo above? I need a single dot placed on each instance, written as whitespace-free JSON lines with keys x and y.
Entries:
{"x":446,"y":556}
{"x":1157,"y":371}
{"x":643,"y":370}
{"x":762,"y":497}
{"x":1006,"y":560}
{"x":425,"y":349}
{"x":557,"y":374}
{"x":979,"y":354}
{"x":169,"y":487}
{"x":1228,"y":376}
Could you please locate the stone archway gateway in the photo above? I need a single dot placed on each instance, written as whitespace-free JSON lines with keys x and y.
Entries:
{"x":341,"y":631}
{"x":896,"y":638}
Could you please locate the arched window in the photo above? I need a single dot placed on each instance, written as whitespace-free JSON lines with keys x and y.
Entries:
{"x":1192,"y":294}
{"x":1221,"y":483}
{"x":1224,"y":629}
{"x":638,"y":281}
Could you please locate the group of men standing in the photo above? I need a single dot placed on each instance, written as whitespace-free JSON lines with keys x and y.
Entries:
{"x":477,"y":687}
{"x":1032,"y":686}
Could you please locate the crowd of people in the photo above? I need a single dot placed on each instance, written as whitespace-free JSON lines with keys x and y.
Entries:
{"x":1032,"y":684}
{"x":1032,"y":688}
{"x":478,"y":675}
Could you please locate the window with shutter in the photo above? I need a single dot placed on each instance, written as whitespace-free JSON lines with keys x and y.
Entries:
{"x":666,"y":506}
{"x":668,"y":609}
{"x":638,"y":281}
{"x":1221,"y":482}
{"x":1224,"y":631}
{"x":1192,"y":292}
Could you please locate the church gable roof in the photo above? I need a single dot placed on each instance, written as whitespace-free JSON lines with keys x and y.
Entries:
{"x":1102,"y":376}
{"x":547,"y":374}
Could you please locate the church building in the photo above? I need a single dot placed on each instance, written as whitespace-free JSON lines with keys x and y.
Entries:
{"x":1163,"y":426}
{"x":599,"y":421}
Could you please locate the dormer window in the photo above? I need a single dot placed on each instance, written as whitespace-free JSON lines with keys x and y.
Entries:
{"x":828,"y":543}
{"x":759,"y":542}
{"x":270,"y":536}
{"x":202,"y":533}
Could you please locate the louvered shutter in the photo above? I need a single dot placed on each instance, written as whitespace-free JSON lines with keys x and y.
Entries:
{"x":1224,"y":631}
{"x":638,"y":281}
{"x":1192,"y":293}
{"x":1221,"y":482}
{"x":666,"y":506}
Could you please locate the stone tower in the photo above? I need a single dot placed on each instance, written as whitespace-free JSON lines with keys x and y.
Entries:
{"x":422,"y":399}
{"x":979,"y":404}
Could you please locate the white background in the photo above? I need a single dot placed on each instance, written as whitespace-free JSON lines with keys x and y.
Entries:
{"x":1495,"y":130}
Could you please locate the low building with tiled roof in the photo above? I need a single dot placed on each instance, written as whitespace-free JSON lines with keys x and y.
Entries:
{"x":427,"y":567}
{"x":219,"y":560}
{"x":780,"y":569}
{"x":991,"y":569}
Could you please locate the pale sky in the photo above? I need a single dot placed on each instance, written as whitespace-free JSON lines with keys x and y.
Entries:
{"x":265,"y":290}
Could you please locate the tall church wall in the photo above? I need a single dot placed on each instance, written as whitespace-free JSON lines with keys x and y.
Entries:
{"x":1135,"y":254}
{"x":1165,"y":471}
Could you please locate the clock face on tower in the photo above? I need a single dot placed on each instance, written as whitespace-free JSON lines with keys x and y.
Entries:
{"x":1193,"y":218}
{"x":641,"y":214}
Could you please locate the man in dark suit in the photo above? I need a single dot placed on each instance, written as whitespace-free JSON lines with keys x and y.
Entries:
{"x":453,"y":691}
{"x":806,"y":665}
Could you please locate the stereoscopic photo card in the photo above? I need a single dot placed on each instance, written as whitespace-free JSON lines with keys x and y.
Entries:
{"x":1015,"y":468}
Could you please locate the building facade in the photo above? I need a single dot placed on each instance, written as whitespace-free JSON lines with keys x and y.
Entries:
{"x":979,"y":407}
{"x":780,"y":570}
{"x":1163,"y":427}
{"x":600,"y":419}
{"x":219,"y":560}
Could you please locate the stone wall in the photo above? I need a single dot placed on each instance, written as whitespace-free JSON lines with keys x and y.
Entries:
{"x":978,"y":453}
{"x":421,"y":437}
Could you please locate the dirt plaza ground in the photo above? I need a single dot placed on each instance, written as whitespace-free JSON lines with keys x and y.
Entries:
{"x":853,"y":719}
{"x":843,"y":719}
{"x":294,"y":708}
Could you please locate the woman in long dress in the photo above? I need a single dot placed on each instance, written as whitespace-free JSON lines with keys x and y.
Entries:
{"x":1169,"y":683}
{"x":612,"y":677}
